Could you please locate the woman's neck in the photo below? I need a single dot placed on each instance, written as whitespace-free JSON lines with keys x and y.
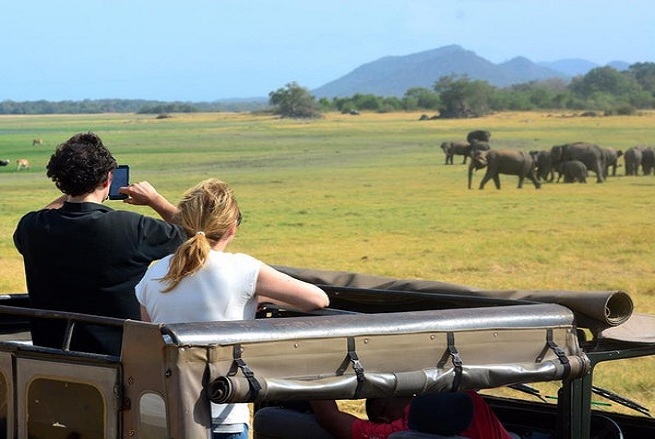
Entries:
{"x":223,"y":242}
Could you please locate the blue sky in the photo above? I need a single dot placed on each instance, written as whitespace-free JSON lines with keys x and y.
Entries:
{"x":205,"y":50}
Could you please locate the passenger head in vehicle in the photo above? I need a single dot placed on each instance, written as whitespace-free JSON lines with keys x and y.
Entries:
{"x":80,"y":164}
{"x":209,"y":214}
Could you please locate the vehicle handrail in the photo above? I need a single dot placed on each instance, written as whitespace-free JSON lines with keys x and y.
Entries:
{"x":70,"y":317}
{"x":61,"y":315}
{"x":247,"y":331}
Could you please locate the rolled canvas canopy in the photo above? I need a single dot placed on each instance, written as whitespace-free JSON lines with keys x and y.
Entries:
{"x":371,"y":355}
{"x":596,"y":310}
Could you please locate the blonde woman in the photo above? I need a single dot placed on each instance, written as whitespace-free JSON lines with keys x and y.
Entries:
{"x":203,"y":282}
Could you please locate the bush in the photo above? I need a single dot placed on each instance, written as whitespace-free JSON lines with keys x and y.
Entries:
{"x":294,"y":101}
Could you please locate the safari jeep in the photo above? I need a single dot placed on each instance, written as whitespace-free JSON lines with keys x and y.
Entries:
{"x":380,"y":337}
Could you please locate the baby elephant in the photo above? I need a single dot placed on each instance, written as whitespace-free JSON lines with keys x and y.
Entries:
{"x":451,"y":149}
{"x":572,"y":171}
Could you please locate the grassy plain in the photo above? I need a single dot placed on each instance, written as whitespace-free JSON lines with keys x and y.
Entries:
{"x":371,"y":194}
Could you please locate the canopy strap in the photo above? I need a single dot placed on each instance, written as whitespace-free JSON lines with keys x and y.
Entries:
{"x":352,"y":359}
{"x":453,"y":354}
{"x":239,"y":364}
{"x":551,"y":345}
{"x":356,"y":365}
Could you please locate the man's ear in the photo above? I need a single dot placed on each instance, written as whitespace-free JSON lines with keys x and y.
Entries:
{"x":110,"y":177}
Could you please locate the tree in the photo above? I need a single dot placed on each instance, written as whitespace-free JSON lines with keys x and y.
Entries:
{"x":420,"y":97}
{"x":326,"y":104}
{"x":461,"y":97}
{"x":547,"y":93}
{"x":607,"y":89}
{"x":604,"y":80}
{"x":367,"y":102}
{"x":644,"y":73}
{"x":294,"y":101}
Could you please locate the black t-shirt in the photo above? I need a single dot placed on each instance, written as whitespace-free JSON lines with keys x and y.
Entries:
{"x":87,"y":258}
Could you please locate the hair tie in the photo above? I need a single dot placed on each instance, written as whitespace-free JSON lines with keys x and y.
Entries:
{"x":200,"y":233}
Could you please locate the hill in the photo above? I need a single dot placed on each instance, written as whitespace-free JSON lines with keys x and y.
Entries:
{"x":394,"y":75}
{"x":570,"y":66}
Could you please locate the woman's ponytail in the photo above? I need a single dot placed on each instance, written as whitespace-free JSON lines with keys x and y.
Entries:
{"x":189,"y":257}
{"x":206,"y":212}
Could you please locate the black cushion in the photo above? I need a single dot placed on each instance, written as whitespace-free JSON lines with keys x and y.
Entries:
{"x":445,"y":414}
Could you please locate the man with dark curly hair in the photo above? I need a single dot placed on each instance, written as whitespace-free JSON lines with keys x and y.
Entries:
{"x":82,"y":256}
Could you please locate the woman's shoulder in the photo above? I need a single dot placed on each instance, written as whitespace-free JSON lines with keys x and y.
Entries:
{"x":238,"y":261}
{"x":228,"y":256}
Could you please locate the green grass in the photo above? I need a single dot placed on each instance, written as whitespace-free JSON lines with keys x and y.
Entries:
{"x":371,"y":194}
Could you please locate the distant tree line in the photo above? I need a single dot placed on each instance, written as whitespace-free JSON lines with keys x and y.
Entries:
{"x":96,"y":106}
{"x":603,"y":89}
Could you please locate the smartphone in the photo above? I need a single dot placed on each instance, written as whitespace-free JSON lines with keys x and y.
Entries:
{"x":121,"y":179}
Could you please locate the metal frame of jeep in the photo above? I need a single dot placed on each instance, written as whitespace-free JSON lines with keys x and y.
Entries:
{"x":380,"y":337}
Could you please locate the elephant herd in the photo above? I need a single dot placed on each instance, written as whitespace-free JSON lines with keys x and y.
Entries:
{"x":572,"y":161}
{"x":601,"y":160}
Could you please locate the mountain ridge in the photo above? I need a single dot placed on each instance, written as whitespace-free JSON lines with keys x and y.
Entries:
{"x":394,"y":75}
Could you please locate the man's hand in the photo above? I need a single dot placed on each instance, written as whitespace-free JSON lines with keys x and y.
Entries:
{"x":140,"y":194}
{"x":57,"y":202}
{"x":143,"y":193}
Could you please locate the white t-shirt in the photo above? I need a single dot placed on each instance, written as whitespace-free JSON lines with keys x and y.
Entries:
{"x":223,"y":289}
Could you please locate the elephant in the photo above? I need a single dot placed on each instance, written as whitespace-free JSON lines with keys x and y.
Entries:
{"x":572,"y":171}
{"x":4,"y":162}
{"x":479,"y":145}
{"x":611,"y":159}
{"x":589,"y":154}
{"x":543,"y":166}
{"x":452,"y":149}
{"x":632,"y":159}
{"x":647,"y":160}
{"x":507,"y":162}
{"x":479,"y":135}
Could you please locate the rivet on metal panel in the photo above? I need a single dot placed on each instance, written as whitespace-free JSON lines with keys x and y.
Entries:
{"x":432,"y":337}
{"x":296,"y":345}
{"x":130,"y":380}
{"x":132,"y":433}
{"x":168,"y":373}
{"x":495,"y":334}
{"x":366,"y":341}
